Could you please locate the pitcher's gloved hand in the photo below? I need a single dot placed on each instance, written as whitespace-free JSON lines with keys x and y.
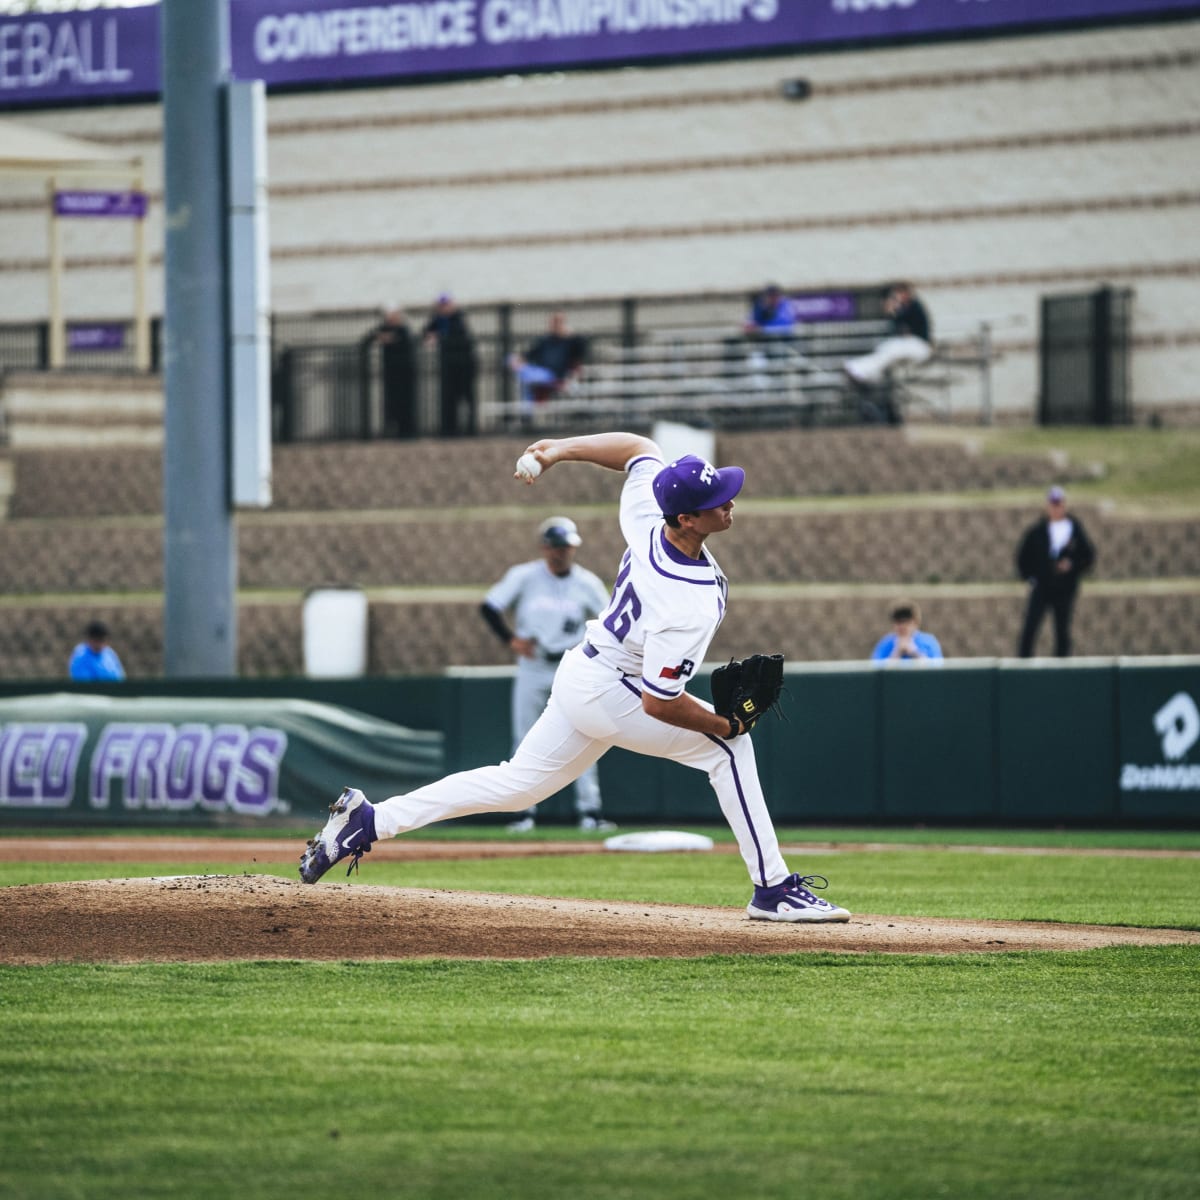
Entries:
{"x":745,"y":689}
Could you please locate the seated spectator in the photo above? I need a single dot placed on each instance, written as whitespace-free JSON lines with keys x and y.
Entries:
{"x":772,"y":314}
{"x":550,"y":363}
{"x":907,"y":641}
{"x":94,"y":660}
{"x":911,"y":339}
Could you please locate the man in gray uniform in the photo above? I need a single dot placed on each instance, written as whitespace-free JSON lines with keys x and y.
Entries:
{"x":549,"y":599}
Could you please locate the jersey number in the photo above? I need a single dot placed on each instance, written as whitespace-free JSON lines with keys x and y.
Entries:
{"x":627,"y":610}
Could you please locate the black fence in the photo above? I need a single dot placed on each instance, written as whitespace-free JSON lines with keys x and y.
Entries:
{"x":1085,"y":348}
{"x":331,"y":378}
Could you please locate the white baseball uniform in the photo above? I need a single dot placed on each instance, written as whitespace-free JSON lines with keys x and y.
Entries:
{"x":551,"y":610}
{"x":654,"y":632}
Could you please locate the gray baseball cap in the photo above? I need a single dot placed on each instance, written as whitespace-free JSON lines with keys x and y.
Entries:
{"x":559,"y":531}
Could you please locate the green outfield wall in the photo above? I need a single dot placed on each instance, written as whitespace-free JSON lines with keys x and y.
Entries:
{"x":979,"y":741}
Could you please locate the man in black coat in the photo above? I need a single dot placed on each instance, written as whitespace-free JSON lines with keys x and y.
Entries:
{"x":1053,"y":555}
{"x":399,"y":371}
{"x":447,"y":329}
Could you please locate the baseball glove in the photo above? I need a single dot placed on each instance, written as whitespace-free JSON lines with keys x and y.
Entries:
{"x":748,"y":688}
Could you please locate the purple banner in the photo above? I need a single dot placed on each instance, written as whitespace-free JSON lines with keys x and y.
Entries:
{"x":101,"y":336}
{"x":291,"y":41}
{"x":115,"y":52}
{"x":823,"y":306}
{"x":100,"y":204}
{"x":45,"y":58}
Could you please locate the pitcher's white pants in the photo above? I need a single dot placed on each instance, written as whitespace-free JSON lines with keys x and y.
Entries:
{"x":592,"y":708}
{"x":531,"y":693}
{"x":871,"y":368}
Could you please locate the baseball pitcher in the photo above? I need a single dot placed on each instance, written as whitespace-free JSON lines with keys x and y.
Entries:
{"x":625,"y":684}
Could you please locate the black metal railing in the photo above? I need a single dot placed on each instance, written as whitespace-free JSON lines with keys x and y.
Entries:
{"x":1085,"y":358}
{"x":663,"y":356}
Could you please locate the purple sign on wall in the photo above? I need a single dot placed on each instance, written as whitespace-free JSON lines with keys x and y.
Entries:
{"x":100,"y":204}
{"x":105,"y":53}
{"x":106,"y":335}
{"x":823,"y":306}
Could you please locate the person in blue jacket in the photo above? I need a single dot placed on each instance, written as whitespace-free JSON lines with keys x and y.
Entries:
{"x":771,"y":313}
{"x":907,"y":641}
{"x":94,"y":660}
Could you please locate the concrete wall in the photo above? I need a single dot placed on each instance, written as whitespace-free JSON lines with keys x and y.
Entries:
{"x":991,"y":172}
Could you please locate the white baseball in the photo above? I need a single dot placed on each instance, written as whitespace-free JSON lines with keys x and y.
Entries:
{"x":528,"y":468}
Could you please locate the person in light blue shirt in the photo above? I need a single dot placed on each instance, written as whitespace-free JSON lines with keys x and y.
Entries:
{"x":907,"y":642}
{"x":94,"y":660}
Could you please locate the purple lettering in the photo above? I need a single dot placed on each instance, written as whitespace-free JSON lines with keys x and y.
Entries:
{"x":24,"y":764}
{"x":38,"y":762}
{"x":144,"y":787}
{"x":224,"y":754}
{"x":64,"y":745}
{"x":620,"y":621}
{"x":182,"y":781}
{"x":257,"y":787}
{"x":110,"y":761}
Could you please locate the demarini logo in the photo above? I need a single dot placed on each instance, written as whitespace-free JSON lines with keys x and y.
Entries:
{"x":1177,"y":723}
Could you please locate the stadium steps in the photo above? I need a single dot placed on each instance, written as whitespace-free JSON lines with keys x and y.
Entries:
{"x":431,"y":474}
{"x":422,"y":631}
{"x":846,"y":542}
{"x":836,"y":524}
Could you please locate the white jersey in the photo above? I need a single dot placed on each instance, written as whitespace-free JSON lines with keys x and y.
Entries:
{"x":665,"y":607}
{"x":654,"y":632}
{"x":550,"y":609}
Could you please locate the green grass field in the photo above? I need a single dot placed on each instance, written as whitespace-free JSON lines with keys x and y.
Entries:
{"x":842,"y":1076}
{"x":1136,"y":466}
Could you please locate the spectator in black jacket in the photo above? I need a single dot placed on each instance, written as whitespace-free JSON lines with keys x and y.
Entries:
{"x":399,"y":361}
{"x":1054,"y":553}
{"x":447,"y":329}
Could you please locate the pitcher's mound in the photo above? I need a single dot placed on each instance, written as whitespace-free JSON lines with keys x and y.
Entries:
{"x":217,"y":917}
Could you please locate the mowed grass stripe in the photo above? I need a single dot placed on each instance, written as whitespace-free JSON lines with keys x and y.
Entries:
{"x":1055,"y":1076}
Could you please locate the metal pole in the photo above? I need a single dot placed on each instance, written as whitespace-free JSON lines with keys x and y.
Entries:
{"x":141,"y":323}
{"x":200,"y":551}
{"x":58,"y":335}
{"x":985,"y":355}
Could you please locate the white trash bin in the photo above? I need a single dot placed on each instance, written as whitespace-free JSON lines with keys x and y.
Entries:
{"x":335,"y":633}
{"x":675,"y":440}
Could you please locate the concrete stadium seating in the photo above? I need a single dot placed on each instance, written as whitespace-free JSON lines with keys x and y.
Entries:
{"x":428,"y":474}
{"x":427,"y":526}
{"x":912,"y":543}
{"x":424,"y":634}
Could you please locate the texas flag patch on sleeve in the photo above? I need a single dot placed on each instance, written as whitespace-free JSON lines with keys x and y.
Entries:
{"x":685,"y":668}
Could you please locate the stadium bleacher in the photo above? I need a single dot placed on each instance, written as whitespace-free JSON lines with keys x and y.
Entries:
{"x":834,"y":524}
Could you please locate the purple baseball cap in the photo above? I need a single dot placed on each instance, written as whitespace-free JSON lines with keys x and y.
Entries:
{"x":691,"y":484}
{"x":1056,"y":495}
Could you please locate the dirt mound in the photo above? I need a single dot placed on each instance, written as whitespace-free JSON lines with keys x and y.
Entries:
{"x":215,"y":918}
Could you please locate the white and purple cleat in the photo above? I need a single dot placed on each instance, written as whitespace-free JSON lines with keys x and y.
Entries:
{"x":792,"y":901}
{"x":349,"y":831}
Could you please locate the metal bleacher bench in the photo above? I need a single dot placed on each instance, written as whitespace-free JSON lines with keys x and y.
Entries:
{"x":721,"y":376}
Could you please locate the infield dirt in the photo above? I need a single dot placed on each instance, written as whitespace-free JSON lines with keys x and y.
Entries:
{"x":193,"y":918}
